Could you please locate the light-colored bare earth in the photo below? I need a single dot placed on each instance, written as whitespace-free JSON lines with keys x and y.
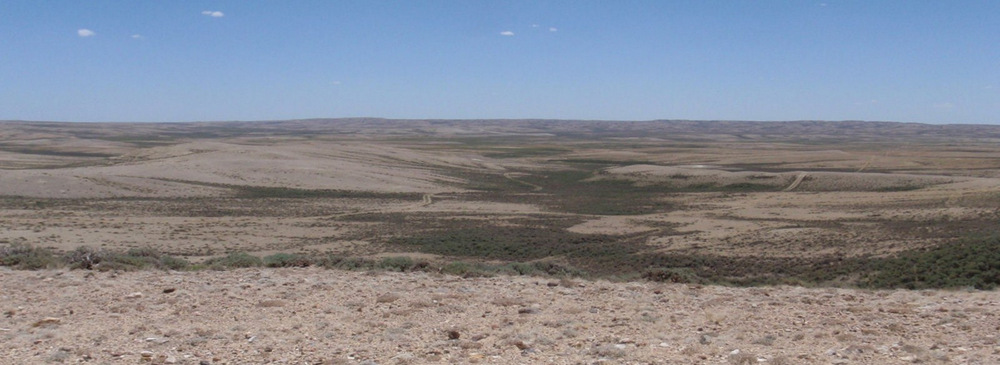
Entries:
{"x":316,"y":316}
{"x":164,"y":171}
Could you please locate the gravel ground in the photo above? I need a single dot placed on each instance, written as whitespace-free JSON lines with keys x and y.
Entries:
{"x":317,"y":316}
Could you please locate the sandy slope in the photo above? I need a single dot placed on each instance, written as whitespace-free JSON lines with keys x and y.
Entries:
{"x":306,"y":165}
{"x":315,"y":316}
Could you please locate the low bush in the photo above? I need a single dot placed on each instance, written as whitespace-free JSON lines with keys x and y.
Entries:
{"x":973,"y":262}
{"x":672,"y":275}
{"x":88,"y":258}
{"x":398,"y":263}
{"x":25,"y":257}
{"x":287,"y":260}
{"x":235,"y":260}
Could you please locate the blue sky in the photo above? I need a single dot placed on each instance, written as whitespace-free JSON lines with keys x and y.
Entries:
{"x":914,"y":61}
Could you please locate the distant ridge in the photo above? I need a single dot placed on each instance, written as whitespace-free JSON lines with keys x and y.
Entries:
{"x":825,"y":130}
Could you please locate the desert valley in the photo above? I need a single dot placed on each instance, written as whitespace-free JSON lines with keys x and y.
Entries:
{"x":499,"y":241}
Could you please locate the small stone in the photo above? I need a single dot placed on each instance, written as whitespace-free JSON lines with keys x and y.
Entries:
{"x":47,"y":321}
{"x":453,"y":335}
{"x":521,"y":345}
{"x":169,"y":290}
{"x":146,"y":354}
{"x":527,"y":311}
{"x":170,"y":360}
{"x":552,"y":283}
{"x":272,"y":303}
{"x":135,"y":295}
{"x":387,"y":298}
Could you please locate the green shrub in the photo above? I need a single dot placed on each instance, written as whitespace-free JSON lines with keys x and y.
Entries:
{"x":398,"y":263}
{"x":287,"y":260}
{"x":354,"y":263}
{"x":235,"y":260}
{"x":521,"y":268}
{"x":457,"y":268}
{"x":174,"y":263}
{"x":970,"y":263}
{"x":25,"y":257}
{"x":87,"y":258}
{"x":554,"y":269}
{"x":83,"y":257}
{"x":671,"y":275}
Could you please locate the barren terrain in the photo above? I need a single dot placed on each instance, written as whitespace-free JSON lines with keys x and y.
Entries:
{"x":317,"y":316}
{"x":835,"y":204}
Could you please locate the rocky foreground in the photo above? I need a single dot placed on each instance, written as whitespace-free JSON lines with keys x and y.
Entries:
{"x":317,"y":316}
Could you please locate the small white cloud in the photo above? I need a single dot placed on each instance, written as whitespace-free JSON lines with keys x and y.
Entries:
{"x":85,"y":33}
{"x":507,"y":33}
{"x":534,"y":25}
{"x":213,"y":13}
{"x":136,"y":36}
{"x":944,"y":105}
{"x":553,"y":29}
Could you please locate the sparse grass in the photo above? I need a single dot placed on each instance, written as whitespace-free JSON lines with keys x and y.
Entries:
{"x":402,"y":264}
{"x":973,"y":262}
{"x":671,"y":275}
{"x":274,"y":192}
{"x":261,"y":192}
{"x":25,"y":257}
{"x":743,"y":358}
{"x":287,"y":260}
{"x":608,"y":351}
{"x":517,"y":152}
{"x":511,"y":243}
{"x":899,"y":188}
{"x":88,"y":258}
{"x":234,"y":260}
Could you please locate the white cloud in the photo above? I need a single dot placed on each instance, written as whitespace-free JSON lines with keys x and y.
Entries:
{"x":85,"y":33}
{"x":507,"y":33}
{"x":534,"y":25}
{"x":213,"y":13}
{"x":136,"y":36}
{"x":553,"y":29}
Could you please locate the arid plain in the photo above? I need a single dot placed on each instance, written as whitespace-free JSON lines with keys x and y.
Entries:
{"x":640,"y":231}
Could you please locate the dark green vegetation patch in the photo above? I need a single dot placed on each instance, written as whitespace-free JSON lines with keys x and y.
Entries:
{"x":969,"y":263}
